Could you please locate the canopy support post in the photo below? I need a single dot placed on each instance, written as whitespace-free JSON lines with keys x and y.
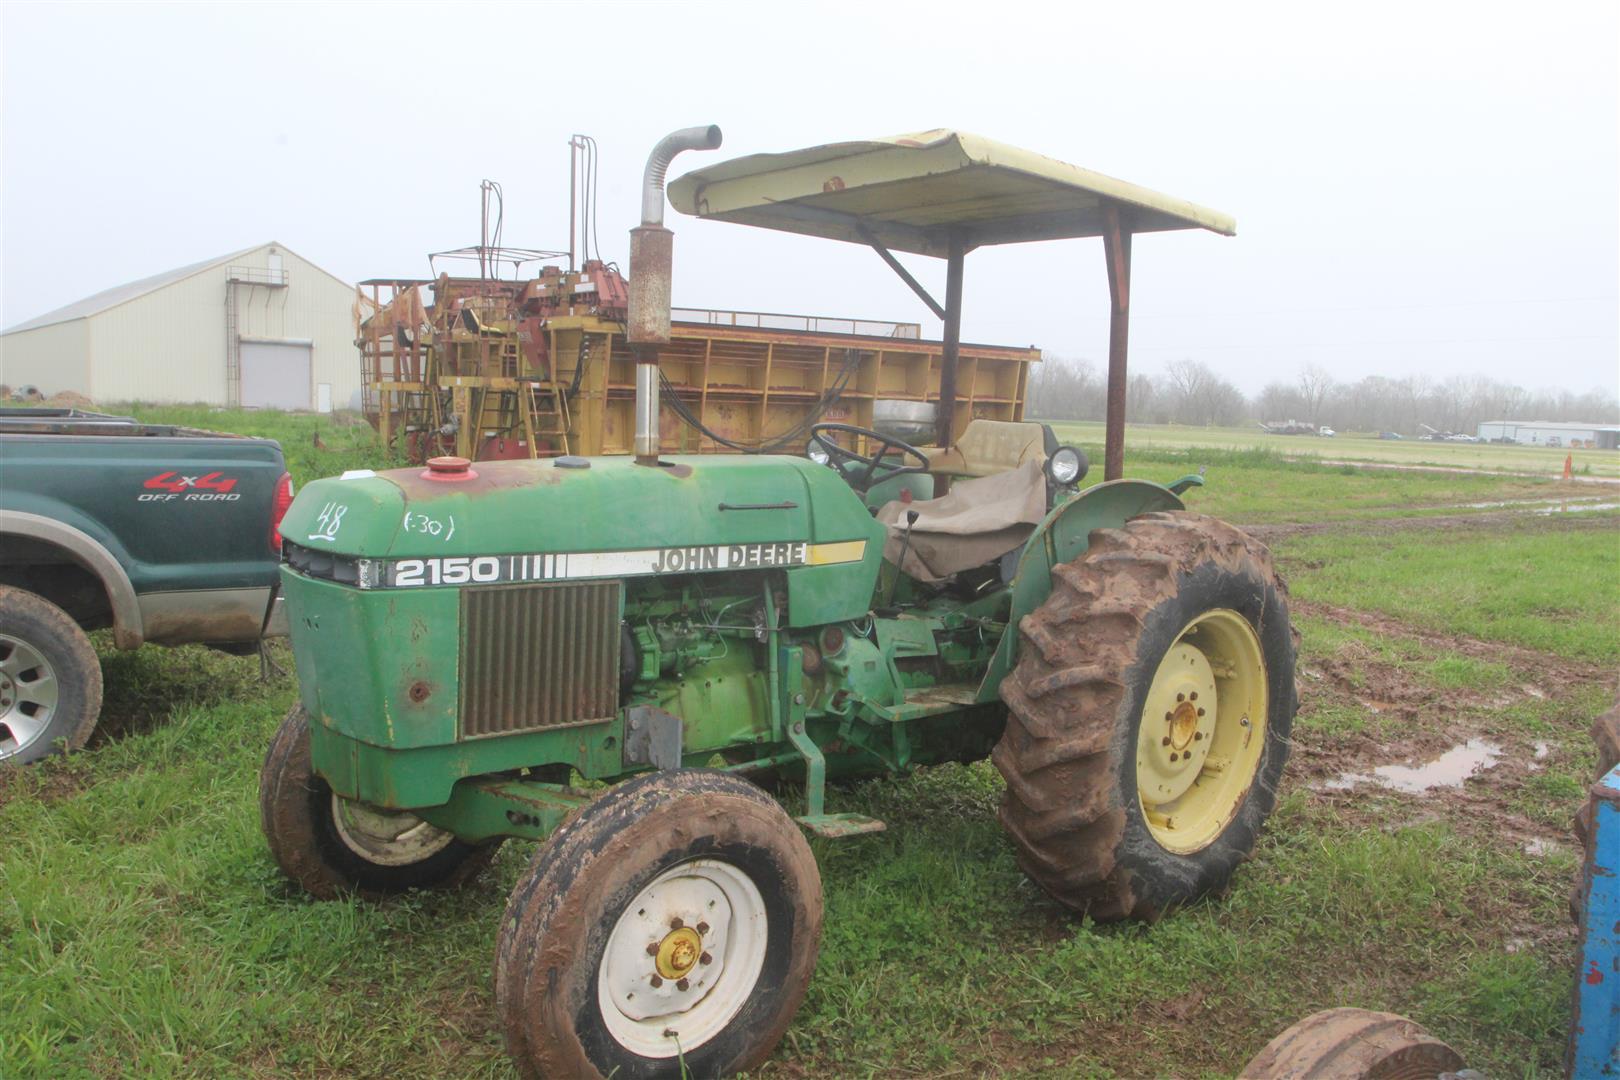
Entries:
{"x":1117,"y":253}
{"x":905,"y":275}
{"x":945,"y":420}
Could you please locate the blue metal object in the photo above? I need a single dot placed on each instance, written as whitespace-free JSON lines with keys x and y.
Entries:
{"x":1594,"y":1037}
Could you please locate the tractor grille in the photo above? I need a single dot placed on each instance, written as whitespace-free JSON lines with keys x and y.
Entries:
{"x":538,"y":656}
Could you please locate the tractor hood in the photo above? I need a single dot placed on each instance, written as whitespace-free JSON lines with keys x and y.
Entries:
{"x":721,"y":512}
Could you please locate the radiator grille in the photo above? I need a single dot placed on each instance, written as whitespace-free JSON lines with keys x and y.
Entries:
{"x":537,"y":656}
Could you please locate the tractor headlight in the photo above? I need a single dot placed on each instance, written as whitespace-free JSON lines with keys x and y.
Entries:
{"x":817,"y":453}
{"x":1066,"y":466}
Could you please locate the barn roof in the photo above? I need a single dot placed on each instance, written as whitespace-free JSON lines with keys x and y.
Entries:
{"x":123,"y":294}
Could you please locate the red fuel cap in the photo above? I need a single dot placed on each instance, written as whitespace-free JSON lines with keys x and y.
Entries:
{"x":449,"y":470}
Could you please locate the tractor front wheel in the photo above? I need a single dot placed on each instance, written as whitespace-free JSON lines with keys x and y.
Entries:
{"x":329,"y":845}
{"x":1149,"y":716}
{"x":669,"y":929}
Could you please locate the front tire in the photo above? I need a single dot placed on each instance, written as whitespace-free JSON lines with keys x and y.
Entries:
{"x":50,"y":679}
{"x":330,"y":846}
{"x":669,"y":929}
{"x":1126,"y":793}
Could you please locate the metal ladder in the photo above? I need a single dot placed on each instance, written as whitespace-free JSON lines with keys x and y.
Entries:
{"x":233,"y":346}
{"x":545,"y":412}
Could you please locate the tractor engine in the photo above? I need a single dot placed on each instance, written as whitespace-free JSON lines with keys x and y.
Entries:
{"x":600,"y":616}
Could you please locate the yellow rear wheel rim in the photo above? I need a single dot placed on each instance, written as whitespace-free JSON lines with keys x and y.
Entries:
{"x":1203,"y":731}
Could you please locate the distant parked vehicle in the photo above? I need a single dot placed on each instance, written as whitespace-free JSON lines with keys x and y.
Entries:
{"x":1390,"y":435}
{"x":1326,"y":432}
{"x":1461,"y":438}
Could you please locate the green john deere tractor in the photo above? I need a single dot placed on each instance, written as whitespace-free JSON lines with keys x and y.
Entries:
{"x":482,"y":649}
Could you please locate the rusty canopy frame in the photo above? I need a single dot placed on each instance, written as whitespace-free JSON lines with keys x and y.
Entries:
{"x":943,"y":193}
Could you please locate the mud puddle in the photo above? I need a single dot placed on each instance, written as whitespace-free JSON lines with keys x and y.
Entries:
{"x":1574,"y":508}
{"x":1548,"y":506}
{"x":1449,"y":770}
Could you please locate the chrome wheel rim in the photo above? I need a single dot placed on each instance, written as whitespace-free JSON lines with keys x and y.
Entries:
{"x":28,"y":695}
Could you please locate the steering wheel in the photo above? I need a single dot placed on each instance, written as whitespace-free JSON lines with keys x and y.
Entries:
{"x":867,"y":471}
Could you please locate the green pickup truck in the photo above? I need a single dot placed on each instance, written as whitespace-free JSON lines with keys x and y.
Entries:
{"x":167,"y":535}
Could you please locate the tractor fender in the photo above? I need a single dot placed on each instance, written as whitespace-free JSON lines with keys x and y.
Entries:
{"x":1063,"y":536}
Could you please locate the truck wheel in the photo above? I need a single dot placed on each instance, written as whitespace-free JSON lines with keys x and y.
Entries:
{"x":1354,"y":1044}
{"x":668,"y":929}
{"x":329,"y":845}
{"x":1149,"y":716}
{"x":50,"y":679}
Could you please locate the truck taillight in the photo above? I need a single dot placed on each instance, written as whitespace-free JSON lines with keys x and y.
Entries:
{"x":278,"y":509}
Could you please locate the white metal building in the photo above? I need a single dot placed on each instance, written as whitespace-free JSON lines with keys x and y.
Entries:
{"x":262,"y":328}
{"x":1550,"y":433}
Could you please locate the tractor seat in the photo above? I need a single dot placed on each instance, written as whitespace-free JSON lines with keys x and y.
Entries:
{"x":989,"y":448}
{"x":978,"y":521}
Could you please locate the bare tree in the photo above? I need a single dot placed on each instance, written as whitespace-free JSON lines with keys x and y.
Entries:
{"x":1314,"y":385}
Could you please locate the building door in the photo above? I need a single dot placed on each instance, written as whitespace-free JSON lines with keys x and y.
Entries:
{"x":275,"y":375}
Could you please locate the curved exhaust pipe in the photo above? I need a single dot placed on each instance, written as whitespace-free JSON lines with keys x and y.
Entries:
{"x":652,"y":180}
{"x":652,"y":255}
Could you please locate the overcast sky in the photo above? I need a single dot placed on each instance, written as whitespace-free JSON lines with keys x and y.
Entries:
{"x":1418,"y":187}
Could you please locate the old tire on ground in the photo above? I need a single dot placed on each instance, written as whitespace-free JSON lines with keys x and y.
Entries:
{"x":50,"y":679}
{"x":668,"y":929}
{"x":1126,"y":794}
{"x":330,"y":846}
{"x":1353,"y":1044}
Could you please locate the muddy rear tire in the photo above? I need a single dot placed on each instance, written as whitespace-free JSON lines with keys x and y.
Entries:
{"x":1106,"y":815}
{"x":50,"y":679}
{"x":329,"y":846}
{"x":1353,"y":1044}
{"x":669,"y":929}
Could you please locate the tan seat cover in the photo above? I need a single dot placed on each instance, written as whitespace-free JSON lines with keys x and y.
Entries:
{"x":980,"y":520}
{"x":989,"y":448}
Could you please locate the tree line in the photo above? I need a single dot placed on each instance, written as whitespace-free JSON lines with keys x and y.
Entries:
{"x":1189,"y":392}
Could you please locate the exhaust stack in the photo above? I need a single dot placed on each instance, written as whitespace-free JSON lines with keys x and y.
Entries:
{"x":652,"y":250}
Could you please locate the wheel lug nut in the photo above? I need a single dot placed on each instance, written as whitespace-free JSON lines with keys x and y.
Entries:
{"x":1173,"y":755}
{"x":703,"y":928}
{"x":1181,"y":697}
{"x":1194,"y":695}
{"x":675,"y":923}
{"x":683,"y":985}
{"x":1169,"y":717}
{"x":705,"y":959}
{"x":1166,"y":741}
{"x":1200,"y":710}
{"x":657,"y":982}
{"x":652,"y":948}
{"x":1197,"y":735}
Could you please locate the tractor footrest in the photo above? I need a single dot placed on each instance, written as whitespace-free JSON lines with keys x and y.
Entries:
{"x":834,"y":826}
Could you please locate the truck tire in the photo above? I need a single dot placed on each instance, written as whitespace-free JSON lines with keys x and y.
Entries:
{"x":1126,"y":794}
{"x":50,"y":679}
{"x":668,"y":929}
{"x":330,"y":846}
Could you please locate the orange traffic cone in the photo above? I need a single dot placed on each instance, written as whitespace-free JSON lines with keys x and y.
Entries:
{"x":1569,"y":466}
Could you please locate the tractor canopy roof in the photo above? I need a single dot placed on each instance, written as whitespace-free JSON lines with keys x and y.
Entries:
{"x":912,"y":192}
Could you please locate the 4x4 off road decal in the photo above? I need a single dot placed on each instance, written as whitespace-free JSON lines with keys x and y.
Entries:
{"x":206,"y":487}
{"x":499,"y":569}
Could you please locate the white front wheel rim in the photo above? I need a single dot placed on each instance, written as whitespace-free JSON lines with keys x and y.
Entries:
{"x":683,"y":959}
{"x":386,"y":837}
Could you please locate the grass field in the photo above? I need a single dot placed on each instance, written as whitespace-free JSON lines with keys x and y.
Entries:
{"x":1358,"y":446}
{"x":144,"y":930}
